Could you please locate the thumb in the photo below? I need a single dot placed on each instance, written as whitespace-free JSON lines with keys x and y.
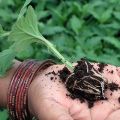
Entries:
{"x":52,"y":110}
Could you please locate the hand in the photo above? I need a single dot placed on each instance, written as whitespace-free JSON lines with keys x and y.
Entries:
{"x":48,"y":100}
{"x":108,"y":110}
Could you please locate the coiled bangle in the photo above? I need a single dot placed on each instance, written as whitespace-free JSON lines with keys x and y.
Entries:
{"x":17,"y":101}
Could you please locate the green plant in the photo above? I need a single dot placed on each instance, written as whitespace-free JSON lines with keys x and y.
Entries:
{"x":81,"y":24}
{"x":25,"y":32}
{"x":3,"y":115}
{"x":77,"y":28}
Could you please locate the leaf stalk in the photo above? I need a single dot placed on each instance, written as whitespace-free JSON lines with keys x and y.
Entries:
{"x":56,"y":52}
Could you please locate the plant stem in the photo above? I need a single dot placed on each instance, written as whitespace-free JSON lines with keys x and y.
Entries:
{"x":56,"y":52}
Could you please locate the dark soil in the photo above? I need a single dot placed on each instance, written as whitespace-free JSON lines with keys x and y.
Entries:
{"x":86,"y":83}
{"x":64,"y":73}
{"x":53,"y":72}
{"x":111,"y":71}
{"x":52,"y":78}
{"x":101,"y":67}
{"x":113,"y":86}
{"x":119,"y":99}
{"x":111,"y":94}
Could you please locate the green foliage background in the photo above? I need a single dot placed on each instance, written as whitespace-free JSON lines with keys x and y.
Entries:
{"x":78,"y":28}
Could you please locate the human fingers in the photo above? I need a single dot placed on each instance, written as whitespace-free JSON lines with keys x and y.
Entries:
{"x":50,"y":109}
{"x":80,"y":111}
{"x":114,"y":115}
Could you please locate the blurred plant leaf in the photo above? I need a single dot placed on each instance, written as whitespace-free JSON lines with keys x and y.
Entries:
{"x":23,"y":9}
{"x":42,"y":14}
{"x":25,"y":53}
{"x":4,"y":115}
{"x":117,"y":14}
{"x":52,"y":30}
{"x":106,"y":15}
{"x":78,"y":28}
{"x":3,"y":33}
{"x":75,"y":24}
{"x":6,"y":59}
{"x":112,"y":41}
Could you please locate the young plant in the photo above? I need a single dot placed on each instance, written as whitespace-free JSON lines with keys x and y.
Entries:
{"x":25,"y":31}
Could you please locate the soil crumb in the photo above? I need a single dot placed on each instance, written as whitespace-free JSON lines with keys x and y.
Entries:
{"x":64,"y":73}
{"x":53,"y":73}
{"x":110,"y":94}
{"x":101,"y":67}
{"x":119,"y":99}
{"x":51,"y":78}
{"x":111,"y":71}
{"x":113,"y":86}
{"x":90,"y":104}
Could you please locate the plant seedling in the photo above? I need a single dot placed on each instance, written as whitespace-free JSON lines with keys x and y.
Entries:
{"x":25,"y":31}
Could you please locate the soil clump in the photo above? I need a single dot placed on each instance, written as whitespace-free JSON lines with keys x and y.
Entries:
{"x":86,"y":83}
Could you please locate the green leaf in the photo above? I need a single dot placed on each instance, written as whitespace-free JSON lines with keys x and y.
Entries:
{"x":95,"y":14}
{"x":75,"y":24}
{"x":2,"y":32}
{"x":112,"y":41}
{"x":94,"y":42}
{"x":86,"y":8}
{"x":79,"y":53}
{"x":106,"y":15}
{"x":25,"y":53}
{"x":109,"y":59}
{"x":57,"y":16}
{"x":51,"y":30}
{"x":117,"y":14}
{"x":23,"y":9}
{"x":76,"y":7}
{"x":113,"y":25}
{"x":4,"y":115}
{"x":25,"y":30}
{"x":43,"y":14}
{"x":6,"y":59}
{"x":96,"y":21}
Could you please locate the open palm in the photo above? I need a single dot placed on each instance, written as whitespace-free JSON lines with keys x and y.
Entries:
{"x":49,"y":100}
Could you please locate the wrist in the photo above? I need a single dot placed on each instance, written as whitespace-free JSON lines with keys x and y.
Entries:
{"x":34,"y":86}
{"x":36,"y":89}
{"x":4,"y":84}
{"x":17,"y":99}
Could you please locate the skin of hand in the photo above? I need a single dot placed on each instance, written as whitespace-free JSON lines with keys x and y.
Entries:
{"x":110,"y":109}
{"x":47,"y":98}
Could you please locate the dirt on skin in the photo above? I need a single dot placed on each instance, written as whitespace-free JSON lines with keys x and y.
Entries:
{"x":119,"y":99}
{"x":101,"y":67}
{"x":86,"y":83}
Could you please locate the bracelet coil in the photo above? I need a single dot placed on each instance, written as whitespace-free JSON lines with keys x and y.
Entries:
{"x":17,"y":102}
